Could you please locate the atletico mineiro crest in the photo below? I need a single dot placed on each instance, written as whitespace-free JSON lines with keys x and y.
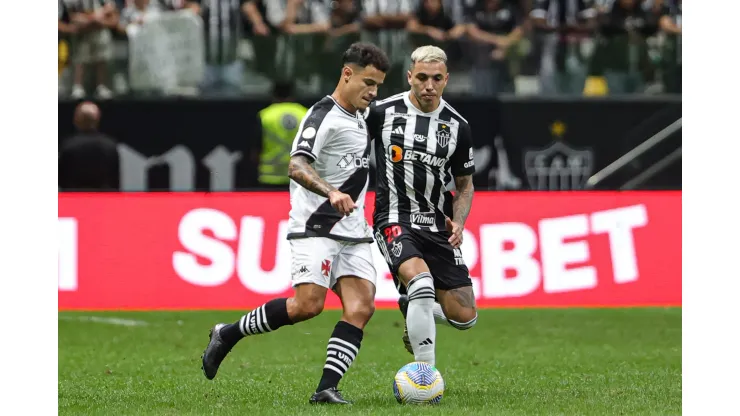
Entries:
{"x":443,"y":134}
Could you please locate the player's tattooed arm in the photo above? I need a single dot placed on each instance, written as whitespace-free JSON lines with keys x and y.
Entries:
{"x":463,"y":200}
{"x":301,"y":171}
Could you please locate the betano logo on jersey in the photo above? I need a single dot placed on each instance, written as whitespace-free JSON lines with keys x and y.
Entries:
{"x":397,"y":154}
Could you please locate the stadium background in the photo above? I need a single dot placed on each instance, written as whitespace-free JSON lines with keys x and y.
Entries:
{"x":184,"y":223}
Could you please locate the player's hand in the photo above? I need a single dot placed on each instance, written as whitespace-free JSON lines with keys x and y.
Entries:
{"x":456,"y":230}
{"x":342,"y":202}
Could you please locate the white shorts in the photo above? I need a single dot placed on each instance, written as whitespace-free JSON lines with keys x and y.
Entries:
{"x":322,"y":261}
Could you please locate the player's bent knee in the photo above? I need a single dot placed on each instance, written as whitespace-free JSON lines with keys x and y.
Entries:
{"x":359,"y":313}
{"x":420,"y":287}
{"x":466,"y":319}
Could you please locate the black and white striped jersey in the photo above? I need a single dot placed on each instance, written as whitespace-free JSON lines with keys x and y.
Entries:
{"x":417,"y":154}
{"x":339,"y":146}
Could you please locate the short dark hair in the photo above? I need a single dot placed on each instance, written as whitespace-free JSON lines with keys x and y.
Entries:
{"x":364,"y":54}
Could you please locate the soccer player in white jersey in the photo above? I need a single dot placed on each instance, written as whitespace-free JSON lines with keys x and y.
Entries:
{"x":421,"y":144}
{"x":329,"y":237}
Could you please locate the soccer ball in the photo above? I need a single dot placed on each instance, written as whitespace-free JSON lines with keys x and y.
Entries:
{"x":418,"y":383}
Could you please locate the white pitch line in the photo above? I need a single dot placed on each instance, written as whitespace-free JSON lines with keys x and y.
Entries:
{"x":110,"y":321}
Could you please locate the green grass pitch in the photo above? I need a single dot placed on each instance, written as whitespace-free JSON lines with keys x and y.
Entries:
{"x":513,"y":362}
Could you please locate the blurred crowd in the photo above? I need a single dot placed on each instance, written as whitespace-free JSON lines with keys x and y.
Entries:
{"x":110,"y":48}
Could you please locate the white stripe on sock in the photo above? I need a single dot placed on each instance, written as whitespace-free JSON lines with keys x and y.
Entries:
{"x":331,"y":367}
{"x":341,"y":365}
{"x":343,"y":342}
{"x":243,"y":325}
{"x":264,"y":320}
{"x":341,"y":349}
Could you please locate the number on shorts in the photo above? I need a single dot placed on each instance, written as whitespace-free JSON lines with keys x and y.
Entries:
{"x":392,"y":232}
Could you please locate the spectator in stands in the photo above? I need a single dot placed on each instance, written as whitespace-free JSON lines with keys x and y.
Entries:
{"x":670,"y":24}
{"x":277,"y":127}
{"x":385,"y":23}
{"x":65,"y":32}
{"x":89,"y":159}
{"x":345,"y":23}
{"x":306,"y":17}
{"x":344,"y":18}
{"x":299,"y":25}
{"x":263,"y":36}
{"x":307,"y":21}
{"x":92,"y":43}
{"x":561,"y":26}
{"x":432,"y":21}
{"x":255,"y":13}
{"x":624,"y":26}
{"x":134,"y":14}
{"x":223,"y":24}
{"x":496,"y":27}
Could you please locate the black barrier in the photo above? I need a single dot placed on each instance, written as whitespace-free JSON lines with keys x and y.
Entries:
{"x":521,"y":144}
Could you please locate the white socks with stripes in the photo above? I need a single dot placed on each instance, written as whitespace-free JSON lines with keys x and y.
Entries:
{"x":420,"y":317}
{"x":341,"y":351}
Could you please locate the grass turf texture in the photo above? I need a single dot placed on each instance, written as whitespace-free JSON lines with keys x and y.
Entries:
{"x":514,"y":362}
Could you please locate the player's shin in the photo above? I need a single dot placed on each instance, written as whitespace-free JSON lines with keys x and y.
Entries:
{"x":341,"y":351}
{"x":267,"y":318}
{"x":420,"y":317}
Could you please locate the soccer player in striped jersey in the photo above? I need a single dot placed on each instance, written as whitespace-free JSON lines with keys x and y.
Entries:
{"x":330,"y":240}
{"x":421,"y":144}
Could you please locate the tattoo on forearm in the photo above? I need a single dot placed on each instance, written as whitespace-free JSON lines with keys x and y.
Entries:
{"x":301,"y":171}
{"x":464,"y":296}
{"x":463,"y":200}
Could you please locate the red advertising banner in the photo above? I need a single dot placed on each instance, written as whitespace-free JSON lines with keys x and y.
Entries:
{"x":147,"y":251}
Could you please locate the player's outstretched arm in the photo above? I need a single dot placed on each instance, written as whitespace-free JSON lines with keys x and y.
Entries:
{"x":301,"y":171}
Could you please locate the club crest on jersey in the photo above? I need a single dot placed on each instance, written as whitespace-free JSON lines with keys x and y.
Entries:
{"x":443,"y":134}
{"x":396,"y":248}
{"x":326,"y":267}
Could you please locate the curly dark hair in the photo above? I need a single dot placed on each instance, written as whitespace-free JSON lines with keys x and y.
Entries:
{"x":364,"y":54}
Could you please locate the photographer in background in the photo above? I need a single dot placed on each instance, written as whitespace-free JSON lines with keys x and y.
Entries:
{"x":88,"y":160}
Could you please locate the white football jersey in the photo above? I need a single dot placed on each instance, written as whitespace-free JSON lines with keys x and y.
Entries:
{"x":339,"y":146}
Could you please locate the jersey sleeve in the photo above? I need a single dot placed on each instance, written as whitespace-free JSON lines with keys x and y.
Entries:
{"x":372,"y":119}
{"x":462,"y":160}
{"x":313,"y":134}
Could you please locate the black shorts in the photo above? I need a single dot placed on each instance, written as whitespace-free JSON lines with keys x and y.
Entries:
{"x":399,"y":243}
